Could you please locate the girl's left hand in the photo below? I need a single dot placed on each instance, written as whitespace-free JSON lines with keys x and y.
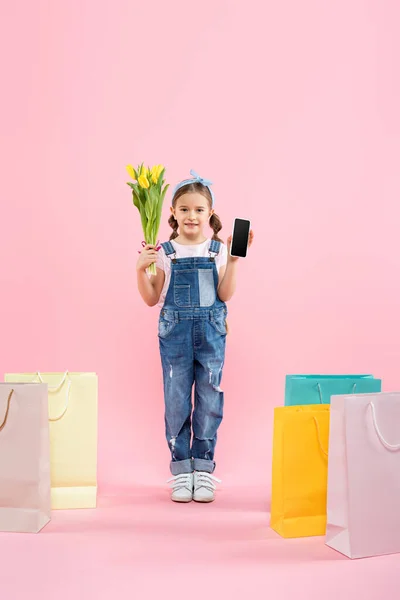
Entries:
{"x":229,"y":243}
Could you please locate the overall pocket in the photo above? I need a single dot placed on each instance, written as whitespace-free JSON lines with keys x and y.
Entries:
{"x":165,"y":327}
{"x":219,"y":322}
{"x":183,"y":284}
{"x":182,"y":295}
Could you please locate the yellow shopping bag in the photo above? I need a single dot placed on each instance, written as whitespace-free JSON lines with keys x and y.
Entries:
{"x":300,"y":470}
{"x":73,"y":436}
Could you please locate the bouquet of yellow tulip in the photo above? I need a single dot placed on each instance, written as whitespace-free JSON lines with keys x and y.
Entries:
{"x":148,"y":191}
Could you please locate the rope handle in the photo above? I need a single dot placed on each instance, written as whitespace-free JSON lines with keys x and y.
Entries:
{"x":57,"y":387}
{"x":320,"y":391}
{"x":7,"y":410}
{"x":53,"y":388}
{"x":393,"y":447}
{"x":319,"y":437}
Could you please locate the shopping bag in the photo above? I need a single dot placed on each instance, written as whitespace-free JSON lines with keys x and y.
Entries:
{"x":73,"y":436}
{"x":24,"y":458}
{"x":364,"y":475}
{"x":300,"y":470}
{"x":317,"y":389}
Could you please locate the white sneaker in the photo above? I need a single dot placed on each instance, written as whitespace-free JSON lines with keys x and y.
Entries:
{"x":182,"y":487}
{"x":204,"y":486}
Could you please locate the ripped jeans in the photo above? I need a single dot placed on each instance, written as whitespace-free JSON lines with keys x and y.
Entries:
{"x":192,"y":347}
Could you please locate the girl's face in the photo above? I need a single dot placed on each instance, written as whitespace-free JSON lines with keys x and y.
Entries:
{"x":192,"y":211}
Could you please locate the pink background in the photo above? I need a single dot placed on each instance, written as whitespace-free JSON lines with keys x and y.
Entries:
{"x":292,"y":108}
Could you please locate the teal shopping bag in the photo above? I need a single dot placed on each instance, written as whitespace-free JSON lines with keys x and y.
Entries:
{"x":318,"y":389}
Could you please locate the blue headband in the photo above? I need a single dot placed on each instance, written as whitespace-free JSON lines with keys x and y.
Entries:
{"x":196,"y":179}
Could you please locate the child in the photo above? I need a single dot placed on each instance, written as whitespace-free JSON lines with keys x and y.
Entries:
{"x":195,"y":277}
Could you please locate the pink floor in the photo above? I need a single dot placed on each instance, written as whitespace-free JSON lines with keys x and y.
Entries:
{"x":142,"y":545}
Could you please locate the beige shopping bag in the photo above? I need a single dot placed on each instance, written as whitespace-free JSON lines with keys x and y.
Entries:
{"x":24,"y":458}
{"x":73,"y":436}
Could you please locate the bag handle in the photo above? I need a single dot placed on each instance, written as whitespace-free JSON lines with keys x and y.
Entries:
{"x":7,"y":410}
{"x":393,"y":447}
{"x":319,"y":437}
{"x":54,"y":388}
{"x":57,"y":387}
{"x":320,"y":391}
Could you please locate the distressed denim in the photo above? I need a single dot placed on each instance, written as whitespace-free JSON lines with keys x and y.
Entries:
{"x":192,"y":335}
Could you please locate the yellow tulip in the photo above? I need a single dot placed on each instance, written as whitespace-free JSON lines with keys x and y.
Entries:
{"x":144,"y":171}
{"x":144,"y":182}
{"x":131,"y":172}
{"x":156,"y":172}
{"x":160,"y":169}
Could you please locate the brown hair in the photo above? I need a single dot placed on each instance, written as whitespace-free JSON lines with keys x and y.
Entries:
{"x":215,"y":222}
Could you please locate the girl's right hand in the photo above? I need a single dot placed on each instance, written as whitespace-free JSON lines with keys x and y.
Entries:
{"x":147,"y":257}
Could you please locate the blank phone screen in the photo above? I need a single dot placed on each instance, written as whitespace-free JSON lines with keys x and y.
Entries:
{"x":240,"y":237}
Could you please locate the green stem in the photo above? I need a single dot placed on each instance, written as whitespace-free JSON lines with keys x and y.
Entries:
{"x":152,"y":270}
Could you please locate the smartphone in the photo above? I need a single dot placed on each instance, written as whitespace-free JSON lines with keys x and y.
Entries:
{"x":240,"y":237}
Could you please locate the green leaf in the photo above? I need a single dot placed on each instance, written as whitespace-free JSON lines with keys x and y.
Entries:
{"x":150,"y":209}
{"x":135,"y":194}
{"x":160,"y":206}
{"x":142,"y":203}
{"x":160,"y":181}
{"x":143,"y":218}
{"x":147,"y":205}
{"x":142,"y":196}
{"x":136,"y":201}
{"x":154,"y":197}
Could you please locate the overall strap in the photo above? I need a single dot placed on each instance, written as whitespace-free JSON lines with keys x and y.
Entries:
{"x":169,"y":250}
{"x":214,"y":249}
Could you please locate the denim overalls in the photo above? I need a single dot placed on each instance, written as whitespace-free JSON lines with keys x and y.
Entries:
{"x":192,"y":334}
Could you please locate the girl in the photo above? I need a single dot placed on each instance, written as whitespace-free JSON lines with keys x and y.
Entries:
{"x":195,"y":278}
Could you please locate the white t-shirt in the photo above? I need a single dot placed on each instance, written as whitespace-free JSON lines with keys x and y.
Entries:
{"x":187,"y":251}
